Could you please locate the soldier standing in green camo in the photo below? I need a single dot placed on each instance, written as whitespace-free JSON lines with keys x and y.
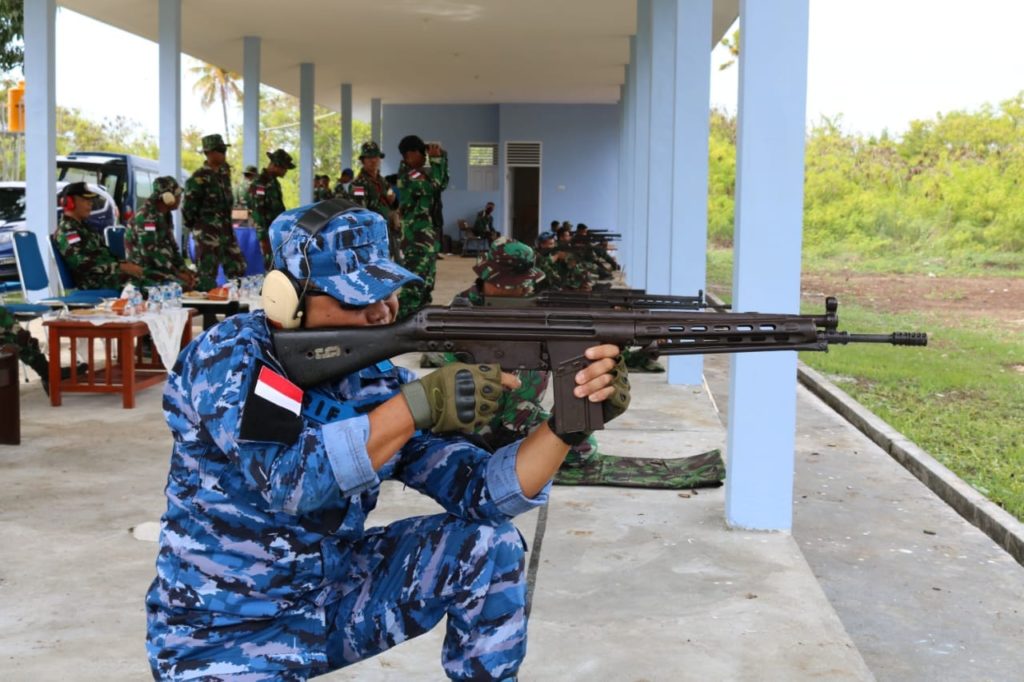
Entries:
{"x":322,"y":188}
{"x":149,"y":241}
{"x":266,"y":201}
{"x":92,"y":264}
{"x":242,"y":190}
{"x":370,"y":190}
{"x":422,"y":176}
{"x":207,"y":213}
{"x":343,"y":190}
{"x":509,"y":271}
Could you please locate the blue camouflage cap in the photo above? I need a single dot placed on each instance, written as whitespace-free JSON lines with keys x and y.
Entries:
{"x":348,"y":258}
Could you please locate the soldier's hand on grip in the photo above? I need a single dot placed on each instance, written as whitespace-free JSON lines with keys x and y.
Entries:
{"x":456,"y":397}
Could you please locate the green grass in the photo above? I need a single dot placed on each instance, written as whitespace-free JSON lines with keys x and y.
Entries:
{"x":961,"y":398}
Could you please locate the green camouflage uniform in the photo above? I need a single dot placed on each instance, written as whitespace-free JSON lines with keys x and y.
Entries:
{"x":322,"y":194}
{"x":29,"y":351}
{"x":265,"y":203}
{"x":90,"y":261}
{"x":371,"y":191}
{"x":149,"y":242}
{"x":207,"y":213}
{"x":566,"y":273}
{"x":483,"y":226}
{"x":418,"y":188}
{"x":343,"y":191}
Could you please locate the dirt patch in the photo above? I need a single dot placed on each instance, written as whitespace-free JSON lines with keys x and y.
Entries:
{"x":999,"y":300}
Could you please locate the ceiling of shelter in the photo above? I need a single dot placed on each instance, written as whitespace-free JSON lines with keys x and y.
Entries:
{"x":413,"y":51}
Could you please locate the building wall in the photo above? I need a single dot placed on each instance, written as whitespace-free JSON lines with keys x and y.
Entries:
{"x":579,"y":159}
{"x":455,"y":126}
{"x":579,"y":155}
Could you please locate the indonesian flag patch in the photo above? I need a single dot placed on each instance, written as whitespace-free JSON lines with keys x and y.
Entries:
{"x":149,"y":227}
{"x":260,"y":190}
{"x":415,"y":175}
{"x":73,"y":238}
{"x":272,"y":410}
{"x":359,"y":191}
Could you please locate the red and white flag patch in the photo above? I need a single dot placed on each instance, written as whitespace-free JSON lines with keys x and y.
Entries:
{"x":260,"y":191}
{"x":149,"y":227}
{"x":358,"y":191}
{"x":73,"y":238}
{"x":415,"y":175}
{"x":274,"y":388}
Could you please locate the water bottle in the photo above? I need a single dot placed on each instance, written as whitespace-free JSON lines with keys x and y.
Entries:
{"x":156,"y":298}
{"x":136,"y":301}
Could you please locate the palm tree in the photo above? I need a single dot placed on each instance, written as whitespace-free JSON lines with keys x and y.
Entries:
{"x":214,"y":83}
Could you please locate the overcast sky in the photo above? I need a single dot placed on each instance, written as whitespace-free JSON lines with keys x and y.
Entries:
{"x":878,"y":63}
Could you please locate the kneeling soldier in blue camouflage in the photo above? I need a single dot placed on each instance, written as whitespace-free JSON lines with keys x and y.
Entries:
{"x":266,"y":570}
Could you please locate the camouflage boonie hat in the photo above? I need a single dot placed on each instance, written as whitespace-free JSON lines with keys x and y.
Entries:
{"x":370,"y":148}
{"x":509,"y":266}
{"x":166,"y":183}
{"x":251,"y":170}
{"x":281,"y":158}
{"x":214,"y":143}
{"x":348,"y":259}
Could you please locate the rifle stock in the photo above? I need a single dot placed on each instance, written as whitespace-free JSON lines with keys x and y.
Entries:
{"x":554,"y":339}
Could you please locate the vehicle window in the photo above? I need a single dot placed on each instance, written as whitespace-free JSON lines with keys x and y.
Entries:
{"x":12,"y":204}
{"x":143,"y":186}
{"x":79,"y":175}
{"x":109,"y":182}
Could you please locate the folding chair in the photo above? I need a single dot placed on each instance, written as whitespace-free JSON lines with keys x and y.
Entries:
{"x":471,"y":244}
{"x":114,"y":236}
{"x":35,"y":281}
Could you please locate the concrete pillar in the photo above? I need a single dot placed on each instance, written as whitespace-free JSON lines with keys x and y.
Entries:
{"x":251,"y":102}
{"x":306,"y":94}
{"x":661,"y":112}
{"x":41,"y":123}
{"x":629,"y":167}
{"x":641,"y":145}
{"x":375,"y":124}
{"x":169,"y":85}
{"x":620,"y":216}
{"x":346,"y":127}
{"x":690,"y":166}
{"x":766,"y":273}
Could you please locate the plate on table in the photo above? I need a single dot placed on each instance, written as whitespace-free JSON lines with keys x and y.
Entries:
{"x":194,"y":295}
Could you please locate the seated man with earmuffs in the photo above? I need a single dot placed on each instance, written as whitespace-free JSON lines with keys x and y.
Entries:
{"x":267,"y":567}
{"x":149,"y":242}
{"x":90,"y":261}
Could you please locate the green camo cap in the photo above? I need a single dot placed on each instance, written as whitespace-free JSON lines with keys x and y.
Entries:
{"x":281,"y":158}
{"x":166,"y":183}
{"x":371,"y":149}
{"x":509,"y":265}
{"x":214,"y":143}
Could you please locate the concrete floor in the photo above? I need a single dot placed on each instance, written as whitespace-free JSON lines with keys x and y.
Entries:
{"x":880,"y":579}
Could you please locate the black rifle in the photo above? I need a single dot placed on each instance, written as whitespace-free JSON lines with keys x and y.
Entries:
{"x":625,"y":299}
{"x":555,"y":340}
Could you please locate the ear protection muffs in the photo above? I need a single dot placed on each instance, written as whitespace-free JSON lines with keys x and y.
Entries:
{"x":68,"y":204}
{"x":169,"y":198}
{"x":284,"y":296}
{"x":283,"y":299}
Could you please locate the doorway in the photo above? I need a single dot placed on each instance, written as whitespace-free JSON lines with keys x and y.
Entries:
{"x":522,"y":176}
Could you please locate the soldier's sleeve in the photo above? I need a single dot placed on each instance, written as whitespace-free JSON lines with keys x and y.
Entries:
{"x":253,"y":415}
{"x":439,"y":171}
{"x":258,"y":205}
{"x":192,"y":202}
{"x":466,"y":480}
{"x":85,"y":257}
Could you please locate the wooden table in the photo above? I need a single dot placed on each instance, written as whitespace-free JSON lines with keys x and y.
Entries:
{"x":131,"y":361}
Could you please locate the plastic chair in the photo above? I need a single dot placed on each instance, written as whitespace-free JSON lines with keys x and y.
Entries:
{"x":114,"y":236}
{"x":67,"y":282}
{"x":35,"y":280}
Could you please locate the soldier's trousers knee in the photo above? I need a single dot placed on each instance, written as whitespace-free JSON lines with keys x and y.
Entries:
{"x":416,"y":571}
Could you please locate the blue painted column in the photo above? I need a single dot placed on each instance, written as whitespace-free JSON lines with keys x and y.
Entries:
{"x":627,"y":179}
{"x":251,"y":102}
{"x":690,"y":166}
{"x":169,"y":70}
{"x":306,"y":94}
{"x":660,"y":144}
{"x":41,"y":123}
{"x":375,"y":125}
{"x":346,"y":127}
{"x":641,"y":144}
{"x":620,"y":214}
{"x":766,"y":274}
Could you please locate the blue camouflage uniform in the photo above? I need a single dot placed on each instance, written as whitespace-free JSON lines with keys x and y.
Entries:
{"x":266,"y":569}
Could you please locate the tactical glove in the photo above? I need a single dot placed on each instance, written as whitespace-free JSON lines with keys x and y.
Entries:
{"x":611,"y":407}
{"x":456,"y":397}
